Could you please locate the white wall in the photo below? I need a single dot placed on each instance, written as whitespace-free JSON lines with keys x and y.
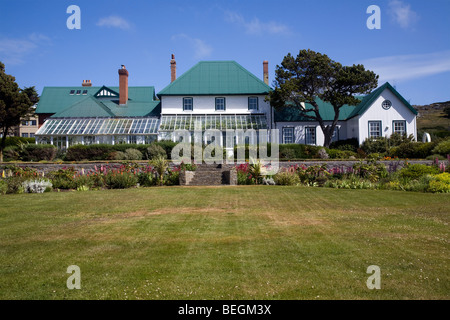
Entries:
{"x":299,"y":131}
{"x":206,"y":105}
{"x":375,"y":112}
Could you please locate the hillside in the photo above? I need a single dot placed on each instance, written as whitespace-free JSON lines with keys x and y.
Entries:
{"x":433,"y":119}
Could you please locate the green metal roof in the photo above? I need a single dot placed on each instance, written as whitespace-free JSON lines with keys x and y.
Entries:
{"x":370,"y":98}
{"x":89,"y":107}
{"x":216,"y":77}
{"x":346,"y":112}
{"x":57,"y":99}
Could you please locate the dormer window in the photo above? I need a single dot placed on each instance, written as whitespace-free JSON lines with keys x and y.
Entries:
{"x":78,"y":92}
{"x":72,"y":92}
{"x":84,"y":92}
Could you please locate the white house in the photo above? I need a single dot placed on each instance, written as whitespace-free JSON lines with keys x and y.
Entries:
{"x":219,"y":95}
{"x":381,"y":113}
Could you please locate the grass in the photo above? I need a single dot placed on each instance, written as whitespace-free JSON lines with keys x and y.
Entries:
{"x":247,"y":242}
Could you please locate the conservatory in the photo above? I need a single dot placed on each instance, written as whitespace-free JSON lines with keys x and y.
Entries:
{"x":220,"y":122}
{"x":64,"y":133}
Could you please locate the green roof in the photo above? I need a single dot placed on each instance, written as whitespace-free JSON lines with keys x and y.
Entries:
{"x":57,"y":99}
{"x":346,"y":112}
{"x":370,"y":98}
{"x":62,"y":104}
{"x":216,"y":78}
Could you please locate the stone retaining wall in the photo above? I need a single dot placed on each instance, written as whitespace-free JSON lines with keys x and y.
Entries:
{"x":48,"y":167}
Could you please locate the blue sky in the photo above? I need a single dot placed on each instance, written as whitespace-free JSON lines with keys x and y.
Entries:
{"x":411,"y":50}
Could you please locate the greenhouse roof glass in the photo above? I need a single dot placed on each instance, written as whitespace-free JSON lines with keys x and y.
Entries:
{"x":218,"y":122}
{"x":99,"y":126}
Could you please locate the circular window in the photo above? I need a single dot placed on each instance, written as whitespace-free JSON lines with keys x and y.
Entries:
{"x":386,"y":104}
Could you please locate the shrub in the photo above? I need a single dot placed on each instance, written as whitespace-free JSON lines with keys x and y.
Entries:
{"x":15,"y":141}
{"x":167,"y":145}
{"x":292,"y":151}
{"x":37,"y":186}
{"x":341,"y":154}
{"x":345,"y":145}
{"x":440,"y":183}
{"x":286,"y":178}
{"x":3,"y":186}
{"x":415,"y":171}
{"x":146,"y":179}
{"x":172,"y":177}
{"x":155,"y":150}
{"x":371,"y":170}
{"x":11,"y":153}
{"x":14,"y":184}
{"x":116,"y":179}
{"x":118,"y":155}
{"x":92,"y":152}
{"x":443,"y":148}
{"x":38,"y":152}
{"x":375,"y":145}
{"x":435,"y":156}
{"x":63,"y":178}
{"x":133,"y":154}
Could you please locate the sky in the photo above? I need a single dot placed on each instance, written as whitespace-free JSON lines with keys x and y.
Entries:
{"x":410,"y":49}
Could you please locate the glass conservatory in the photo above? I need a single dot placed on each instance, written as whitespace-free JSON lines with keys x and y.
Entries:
{"x":220,"y":122}
{"x":64,"y":133}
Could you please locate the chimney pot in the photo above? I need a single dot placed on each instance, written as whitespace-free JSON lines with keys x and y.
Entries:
{"x":86,"y":83}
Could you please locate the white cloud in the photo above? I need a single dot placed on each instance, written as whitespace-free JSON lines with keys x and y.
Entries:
{"x":14,"y":51}
{"x":201,"y":48}
{"x":114,"y":22}
{"x":402,"y":13}
{"x":408,"y":67}
{"x":255,"y":26}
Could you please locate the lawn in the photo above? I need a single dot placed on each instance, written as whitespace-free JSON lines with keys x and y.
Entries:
{"x":246,"y":242}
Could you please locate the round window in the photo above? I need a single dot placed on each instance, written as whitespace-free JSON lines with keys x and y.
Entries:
{"x":386,"y":104}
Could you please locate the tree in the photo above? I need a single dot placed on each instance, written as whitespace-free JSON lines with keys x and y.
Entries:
{"x":312,"y":75}
{"x":15,"y":103}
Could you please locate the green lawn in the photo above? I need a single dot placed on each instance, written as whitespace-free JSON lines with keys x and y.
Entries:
{"x":246,"y":242}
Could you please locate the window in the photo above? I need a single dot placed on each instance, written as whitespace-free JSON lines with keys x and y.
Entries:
{"x":84,"y":92}
{"x":220,"y":104}
{"x":310,"y":135}
{"x":33,"y":122}
{"x":253,"y":103}
{"x":386,"y":104}
{"x":374,"y":129}
{"x":399,"y":126}
{"x":78,"y":92}
{"x":72,"y":92}
{"x":188,"y":104}
{"x":288,"y":135}
{"x":24,"y":135}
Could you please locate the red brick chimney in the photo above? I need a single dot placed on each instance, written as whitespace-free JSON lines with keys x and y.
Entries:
{"x":173,"y":69}
{"x":266,"y":71}
{"x":87,"y":83}
{"x":123,"y":85}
